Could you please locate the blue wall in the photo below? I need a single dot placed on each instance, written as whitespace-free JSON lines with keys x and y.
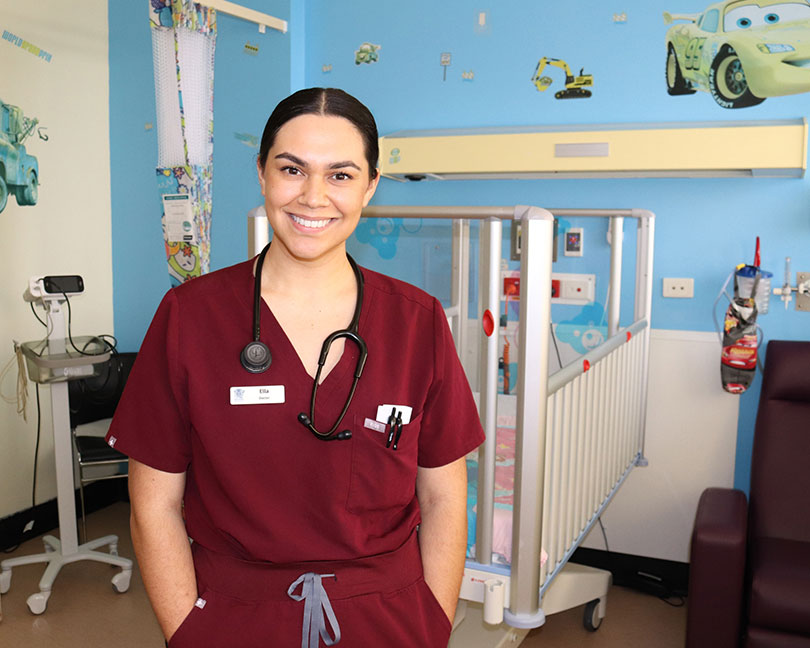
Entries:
{"x":247,"y":87}
{"x":704,"y":227}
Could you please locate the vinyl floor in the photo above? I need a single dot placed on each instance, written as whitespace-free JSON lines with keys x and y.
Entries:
{"x":85,"y":612}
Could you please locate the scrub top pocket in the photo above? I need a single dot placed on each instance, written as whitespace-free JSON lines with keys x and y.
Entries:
{"x":382,"y":478}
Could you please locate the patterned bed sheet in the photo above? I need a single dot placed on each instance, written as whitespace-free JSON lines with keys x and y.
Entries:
{"x":504,"y":494}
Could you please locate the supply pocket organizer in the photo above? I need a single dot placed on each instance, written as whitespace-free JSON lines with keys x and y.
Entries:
{"x":382,"y":478}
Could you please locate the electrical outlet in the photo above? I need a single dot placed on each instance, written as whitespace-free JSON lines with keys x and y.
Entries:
{"x":683,"y":288}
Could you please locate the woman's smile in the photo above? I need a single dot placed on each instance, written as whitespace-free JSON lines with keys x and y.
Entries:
{"x":309,"y":223}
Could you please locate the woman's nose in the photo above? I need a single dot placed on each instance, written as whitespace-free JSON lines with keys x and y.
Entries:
{"x":315,"y":192}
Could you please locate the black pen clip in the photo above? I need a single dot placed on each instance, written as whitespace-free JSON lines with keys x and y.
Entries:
{"x":399,"y":429}
{"x":392,"y":422}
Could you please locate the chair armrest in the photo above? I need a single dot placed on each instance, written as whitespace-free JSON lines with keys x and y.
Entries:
{"x":717,"y":569}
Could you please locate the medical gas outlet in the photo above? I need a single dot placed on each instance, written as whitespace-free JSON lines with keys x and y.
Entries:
{"x":566,"y":288}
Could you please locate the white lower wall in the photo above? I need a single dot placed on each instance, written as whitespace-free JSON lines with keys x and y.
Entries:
{"x":691,"y":441}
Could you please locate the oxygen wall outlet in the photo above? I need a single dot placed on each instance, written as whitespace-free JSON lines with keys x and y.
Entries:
{"x":802,"y":295}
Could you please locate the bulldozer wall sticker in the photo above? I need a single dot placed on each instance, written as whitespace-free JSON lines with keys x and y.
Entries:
{"x":740,"y":52}
{"x":574,"y":85}
{"x":19,"y":171}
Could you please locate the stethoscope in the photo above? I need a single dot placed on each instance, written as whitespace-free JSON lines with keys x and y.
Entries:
{"x":256,"y":356}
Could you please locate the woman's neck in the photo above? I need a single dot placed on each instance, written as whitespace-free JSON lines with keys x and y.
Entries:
{"x":284,"y":275}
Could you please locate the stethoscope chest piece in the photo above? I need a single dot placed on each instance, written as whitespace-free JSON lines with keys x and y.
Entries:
{"x":256,"y":357}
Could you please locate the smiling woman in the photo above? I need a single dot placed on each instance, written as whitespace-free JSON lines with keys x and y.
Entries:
{"x":363,"y":539}
{"x":316,"y":181}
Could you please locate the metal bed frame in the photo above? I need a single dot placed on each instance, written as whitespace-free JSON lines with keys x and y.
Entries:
{"x":574,"y":447}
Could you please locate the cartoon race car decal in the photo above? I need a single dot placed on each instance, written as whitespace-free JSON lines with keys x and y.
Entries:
{"x":740,"y":51}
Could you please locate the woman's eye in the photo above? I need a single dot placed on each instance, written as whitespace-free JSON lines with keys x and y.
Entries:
{"x":290,"y":170}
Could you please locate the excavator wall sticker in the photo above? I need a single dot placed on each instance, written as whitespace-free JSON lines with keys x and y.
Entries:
{"x":574,"y":85}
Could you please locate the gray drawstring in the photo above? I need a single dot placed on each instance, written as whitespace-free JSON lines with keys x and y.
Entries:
{"x":316,"y":602}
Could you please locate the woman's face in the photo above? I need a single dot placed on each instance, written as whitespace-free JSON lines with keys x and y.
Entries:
{"x":315,"y":183}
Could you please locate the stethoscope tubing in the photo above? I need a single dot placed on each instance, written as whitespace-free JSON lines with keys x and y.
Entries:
{"x":352,"y":333}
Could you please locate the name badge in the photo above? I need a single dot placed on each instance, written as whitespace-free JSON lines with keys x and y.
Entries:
{"x":384,"y":411}
{"x":262,"y":395}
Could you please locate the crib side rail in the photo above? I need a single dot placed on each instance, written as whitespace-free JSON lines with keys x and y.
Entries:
{"x":594,"y":436}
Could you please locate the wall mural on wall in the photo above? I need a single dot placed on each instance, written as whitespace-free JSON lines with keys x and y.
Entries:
{"x":482,"y":22}
{"x":19,"y":171}
{"x":444,"y":60}
{"x":366,"y":53}
{"x":741,"y":52}
{"x":584,"y":331}
{"x":574,"y":85}
{"x":381,"y":234}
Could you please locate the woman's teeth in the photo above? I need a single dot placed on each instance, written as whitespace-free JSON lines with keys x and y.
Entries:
{"x":312,"y":224}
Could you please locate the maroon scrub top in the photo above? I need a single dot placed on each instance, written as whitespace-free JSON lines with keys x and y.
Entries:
{"x":259,"y":485}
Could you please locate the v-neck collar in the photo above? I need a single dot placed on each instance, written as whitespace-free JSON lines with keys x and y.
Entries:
{"x":283,"y":351}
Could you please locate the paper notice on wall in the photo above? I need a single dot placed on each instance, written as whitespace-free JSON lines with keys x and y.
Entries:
{"x":179,"y":218}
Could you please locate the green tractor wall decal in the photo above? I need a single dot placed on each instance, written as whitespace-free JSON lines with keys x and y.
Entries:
{"x":19,"y":171}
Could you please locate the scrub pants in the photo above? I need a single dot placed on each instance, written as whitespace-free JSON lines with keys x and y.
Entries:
{"x":376,"y":601}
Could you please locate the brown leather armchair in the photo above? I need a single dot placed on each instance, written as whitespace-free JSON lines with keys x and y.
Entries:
{"x":749,"y":580}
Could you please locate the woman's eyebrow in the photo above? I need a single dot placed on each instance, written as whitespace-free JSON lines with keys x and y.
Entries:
{"x":346,"y":163}
{"x":292,"y":158}
{"x":335,"y":165}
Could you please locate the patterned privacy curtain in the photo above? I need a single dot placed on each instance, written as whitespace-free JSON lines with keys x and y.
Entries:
{"x":183,"y":44}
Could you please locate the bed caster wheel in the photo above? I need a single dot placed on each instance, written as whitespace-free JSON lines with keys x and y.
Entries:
{"x":5,"y":581}
{"x":120,"y":581}
{"x":38,"y":602}
{"x":591,"y":619}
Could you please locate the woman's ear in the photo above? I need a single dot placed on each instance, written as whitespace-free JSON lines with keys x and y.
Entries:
{"x":372,"y":187}
{"x":260,"y":172}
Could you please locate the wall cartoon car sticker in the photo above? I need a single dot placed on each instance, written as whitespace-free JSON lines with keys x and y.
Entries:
{"x":574,"y":85}
{"x":19,"y":171}
{"x":366,"y":53}
{"x":740,"y":51}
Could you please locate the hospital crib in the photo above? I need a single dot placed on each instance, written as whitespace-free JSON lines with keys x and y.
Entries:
{"x":578,"y":432}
